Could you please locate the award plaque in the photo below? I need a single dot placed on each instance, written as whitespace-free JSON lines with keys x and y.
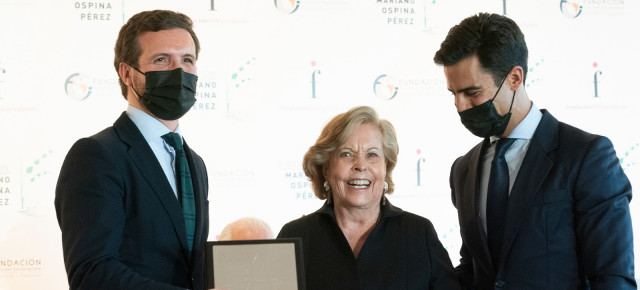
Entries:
{"x":255,"y":264}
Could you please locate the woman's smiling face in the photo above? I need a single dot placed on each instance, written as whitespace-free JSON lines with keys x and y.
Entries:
{"x":357,"y":170}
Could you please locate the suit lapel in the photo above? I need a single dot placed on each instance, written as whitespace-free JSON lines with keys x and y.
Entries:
{"x":199,"y":197}
{"x":536,"y":165}
{"x":147,"y":163}
{"x":472,"y":205}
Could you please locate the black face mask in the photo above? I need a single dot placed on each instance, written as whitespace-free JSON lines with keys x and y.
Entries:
{"x":168,"y":94}
{"x":483,"y":120}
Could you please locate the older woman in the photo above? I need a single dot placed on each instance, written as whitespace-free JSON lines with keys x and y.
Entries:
{"x":358,"y":240}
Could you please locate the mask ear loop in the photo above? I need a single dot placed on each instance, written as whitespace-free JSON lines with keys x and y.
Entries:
{"x":133,"y":67}
{"x":134,"y":89}
{"x":500,"y":87}
{"x":512,"y":98}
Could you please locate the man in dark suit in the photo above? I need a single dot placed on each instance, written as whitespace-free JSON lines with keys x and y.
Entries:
{"x":555,"y":212}
{"x":128,"y":217}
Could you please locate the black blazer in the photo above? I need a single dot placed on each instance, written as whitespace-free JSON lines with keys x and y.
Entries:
{"x":568,"y":222}
{"x":122,"y":226}
{"x":401,"y":252}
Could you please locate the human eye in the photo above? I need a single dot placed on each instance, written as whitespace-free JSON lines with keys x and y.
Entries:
{"x":345,"y":154}
{"x":160,"y":59}
{"x":373,"y":155}
{"x":471,"y":93}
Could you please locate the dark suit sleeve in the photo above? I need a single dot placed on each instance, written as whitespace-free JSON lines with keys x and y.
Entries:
{"x":89,"y":205}
{"x":464,"y":270}
{"x":443,"y":276}
{"x":603,"y":223}
{"x":201,"y":185}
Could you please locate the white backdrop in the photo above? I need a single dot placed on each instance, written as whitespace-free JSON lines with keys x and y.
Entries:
{"x":271,"y":74}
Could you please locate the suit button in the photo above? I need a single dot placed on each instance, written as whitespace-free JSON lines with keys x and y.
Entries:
{"x":499,"y":283}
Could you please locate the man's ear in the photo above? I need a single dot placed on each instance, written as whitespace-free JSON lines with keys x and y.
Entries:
{"x":125,"y":71}
{"x":515,"y":78}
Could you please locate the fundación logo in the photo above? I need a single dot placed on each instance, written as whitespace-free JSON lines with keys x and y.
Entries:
{"x":574,"y":8}
{"x":20,"y":266}
{"x":571,"y":9}
{"x":287,"y":6}
{"x":385,"y":87}
{"x":77,"y":87}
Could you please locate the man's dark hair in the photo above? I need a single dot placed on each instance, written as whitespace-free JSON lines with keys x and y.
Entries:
{"x":496,"y":39}
{"x":127,"y":47}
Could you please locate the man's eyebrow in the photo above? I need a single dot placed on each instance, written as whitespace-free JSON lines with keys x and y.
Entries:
{"x":153,"y":56}
{"x":470,"y":88}
{"x":168,"y":54}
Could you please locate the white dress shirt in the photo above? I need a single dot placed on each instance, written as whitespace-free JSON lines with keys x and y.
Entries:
{"x":152,"y":130}
{"x":514,"y":156}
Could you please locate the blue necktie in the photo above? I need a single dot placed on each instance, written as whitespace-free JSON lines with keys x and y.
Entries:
{"x":497,"y":198}
{"x":185,"y":185}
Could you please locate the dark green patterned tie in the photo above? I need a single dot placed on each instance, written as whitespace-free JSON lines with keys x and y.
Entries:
{"x":185,"y":186}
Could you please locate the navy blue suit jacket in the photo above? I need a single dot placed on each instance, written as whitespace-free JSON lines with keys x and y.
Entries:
{"x":122,"y":225}
{"x":568,"y":224}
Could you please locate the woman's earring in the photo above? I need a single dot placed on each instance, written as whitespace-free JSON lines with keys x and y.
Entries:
{"x":328,"y":190}
{"x":386,"y":187}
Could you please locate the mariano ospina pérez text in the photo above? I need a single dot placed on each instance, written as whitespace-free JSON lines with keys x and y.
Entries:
{"x":94,"y":11}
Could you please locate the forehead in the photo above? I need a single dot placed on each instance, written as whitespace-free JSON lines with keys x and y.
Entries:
{"x":466,"y":73}
{"x":170,"y":40}
{"x":365,"y":133}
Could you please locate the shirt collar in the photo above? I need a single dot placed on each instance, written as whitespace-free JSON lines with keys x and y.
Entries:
{"x":527,"y":126}
{"x":150,"y":127}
